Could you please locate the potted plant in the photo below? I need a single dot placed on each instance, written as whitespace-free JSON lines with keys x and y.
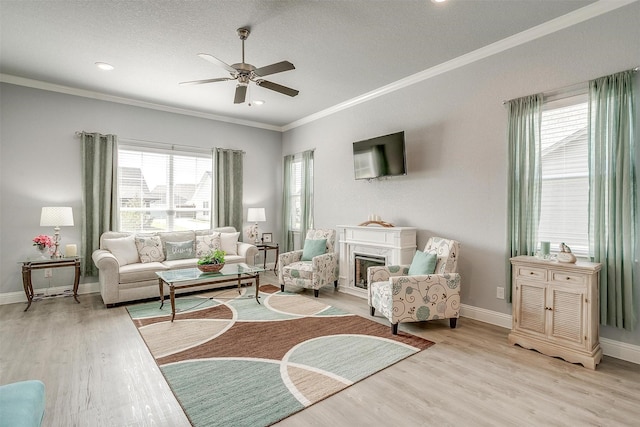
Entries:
{"x":212,"y":262}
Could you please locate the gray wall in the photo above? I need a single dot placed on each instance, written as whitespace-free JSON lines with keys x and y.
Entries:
{"x":40,"y":164}
{"x":455,"y":127}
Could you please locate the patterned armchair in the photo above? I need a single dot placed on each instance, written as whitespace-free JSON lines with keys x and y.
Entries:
{"x":403,"y":298}
{"x":320,"y":271}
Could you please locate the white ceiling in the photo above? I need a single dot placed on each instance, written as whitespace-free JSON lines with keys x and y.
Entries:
{"x":341,"y":49}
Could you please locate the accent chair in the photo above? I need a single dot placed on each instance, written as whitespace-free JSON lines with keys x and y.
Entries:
{"x":314,"y":266}
{"x":401,"y":297}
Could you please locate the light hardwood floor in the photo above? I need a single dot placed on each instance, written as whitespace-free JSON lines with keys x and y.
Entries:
{"x":98,"y":372}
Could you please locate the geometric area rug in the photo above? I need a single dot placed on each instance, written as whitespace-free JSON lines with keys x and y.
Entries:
{"x":232,"y":362}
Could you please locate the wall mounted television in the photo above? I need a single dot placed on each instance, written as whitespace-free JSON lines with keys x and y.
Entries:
{"x":379,"y":157}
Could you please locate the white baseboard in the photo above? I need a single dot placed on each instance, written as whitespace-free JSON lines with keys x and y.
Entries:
{"x":617,"y":349}
{"x":620,"y":350}
{"x":486,"y":316}
{"x":19,"y":296}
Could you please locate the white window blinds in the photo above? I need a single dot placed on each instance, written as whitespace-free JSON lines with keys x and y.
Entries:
{"x":163,"y":190}
{"x":564,"y":215}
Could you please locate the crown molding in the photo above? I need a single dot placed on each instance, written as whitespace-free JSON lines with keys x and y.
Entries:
{"x":580,"y":15}
{"x":37,"y":84}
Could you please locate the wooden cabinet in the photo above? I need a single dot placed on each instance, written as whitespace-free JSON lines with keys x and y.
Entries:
{"x":556,"y":310}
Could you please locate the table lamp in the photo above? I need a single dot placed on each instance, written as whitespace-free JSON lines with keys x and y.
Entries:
{"x":56,"y":217}
{"x":256,"y":215}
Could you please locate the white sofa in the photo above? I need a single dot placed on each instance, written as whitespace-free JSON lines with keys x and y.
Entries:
{"x":127,"y":262}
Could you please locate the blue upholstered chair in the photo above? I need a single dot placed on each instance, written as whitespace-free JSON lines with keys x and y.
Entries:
{"x":403,"y":298}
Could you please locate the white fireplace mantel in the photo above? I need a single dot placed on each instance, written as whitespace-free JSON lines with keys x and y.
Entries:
{"x":396,"y":245}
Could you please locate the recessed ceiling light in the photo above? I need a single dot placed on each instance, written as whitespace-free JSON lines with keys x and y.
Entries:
{"x":257,"y":103}
{"x":104,"y":66}
{"x":438,"y":1}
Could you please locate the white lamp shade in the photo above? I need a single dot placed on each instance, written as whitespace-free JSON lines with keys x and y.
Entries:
{"x":56,"y":217}
{"x":256,"y":215}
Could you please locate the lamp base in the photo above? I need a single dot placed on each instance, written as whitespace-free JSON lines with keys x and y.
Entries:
{"x":56,"y":253}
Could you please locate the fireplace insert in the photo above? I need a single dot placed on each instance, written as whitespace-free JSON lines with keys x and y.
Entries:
{"x":361,"y":263}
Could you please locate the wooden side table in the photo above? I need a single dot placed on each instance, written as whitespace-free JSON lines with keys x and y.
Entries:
{"x":30,"y":265}
{"x":266,"y":247}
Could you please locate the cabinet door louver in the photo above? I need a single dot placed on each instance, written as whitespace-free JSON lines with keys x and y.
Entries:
{"x":532,"y":307}
{"x":567,"y":315}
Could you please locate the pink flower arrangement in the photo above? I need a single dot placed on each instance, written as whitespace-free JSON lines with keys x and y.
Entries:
{"x":43,"y":240}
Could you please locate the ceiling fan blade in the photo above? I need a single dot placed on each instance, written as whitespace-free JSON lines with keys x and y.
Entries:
{"x":241,"y":94}
{"x":216,"y":61}
{"x":274,"y":68}
{"x":278,"y":88}
{"x":199,"y":82}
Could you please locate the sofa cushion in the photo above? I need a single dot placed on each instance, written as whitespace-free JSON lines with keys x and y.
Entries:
{"x":180,"y":263}
{"x":234,"y":259}
{"x":229,"y":242}
{"x":124,"y":249}
{"x":175,"y":236}
{"x":207,"y":243}
{"x":149,"y":248}
{"x":180,"y":250}
{"x":140,"y":272}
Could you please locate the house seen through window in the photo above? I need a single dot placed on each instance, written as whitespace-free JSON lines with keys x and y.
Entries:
{"x":163,"y":190}
{"x":564,"y":215}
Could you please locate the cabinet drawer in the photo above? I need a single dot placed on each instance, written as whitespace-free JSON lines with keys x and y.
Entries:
{"x":568,"y":278}
{"x":531,"y":273}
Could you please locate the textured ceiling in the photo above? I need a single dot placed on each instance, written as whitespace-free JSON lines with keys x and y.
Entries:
{"x":341,"y":49}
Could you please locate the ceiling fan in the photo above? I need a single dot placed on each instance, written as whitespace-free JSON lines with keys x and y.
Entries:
{"x":245,"y":73}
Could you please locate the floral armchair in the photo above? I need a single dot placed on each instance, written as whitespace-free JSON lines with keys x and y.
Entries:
{"x":320,"y":271}
{"x":403,"y":298}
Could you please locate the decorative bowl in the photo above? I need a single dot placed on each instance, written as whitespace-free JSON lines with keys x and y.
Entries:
{"x":210,"y":268}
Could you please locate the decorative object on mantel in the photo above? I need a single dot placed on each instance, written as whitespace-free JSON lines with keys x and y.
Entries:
{"x":380,"y":223}
{"x":375,"y":220}
{"x":565,"y":254}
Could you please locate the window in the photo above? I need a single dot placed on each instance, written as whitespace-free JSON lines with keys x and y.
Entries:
{"x":295,"y":192}
{"x":564,"y":214}
{"x":163,"y":190}
{"x":297,"y":199}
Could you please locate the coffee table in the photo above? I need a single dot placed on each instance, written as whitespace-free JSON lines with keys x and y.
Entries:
{"x":184,"y":278}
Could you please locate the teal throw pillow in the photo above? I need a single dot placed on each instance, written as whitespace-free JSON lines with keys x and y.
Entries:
{"x":423,"y":263}
{"x":313,"y":248}
{"x":180,"y":250}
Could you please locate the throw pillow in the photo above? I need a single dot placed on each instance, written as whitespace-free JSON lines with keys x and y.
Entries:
{"x":206,"y":244}
{"x":149,"y":249}
{"x":180,"y":250}
{"x":229,"y":242}
{"x":123,"y":248}
{"x":423,"y":263}
{"x":313,"y":248}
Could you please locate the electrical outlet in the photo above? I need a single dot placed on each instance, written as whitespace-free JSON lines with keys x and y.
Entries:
{"x":500,"y":292}
{"x":48,"y":273}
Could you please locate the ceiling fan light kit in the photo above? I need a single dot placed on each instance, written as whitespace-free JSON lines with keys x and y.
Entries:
{"x":245,"y":73}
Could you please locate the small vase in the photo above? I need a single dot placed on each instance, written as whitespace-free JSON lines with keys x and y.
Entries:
{"x":43,"y":251}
